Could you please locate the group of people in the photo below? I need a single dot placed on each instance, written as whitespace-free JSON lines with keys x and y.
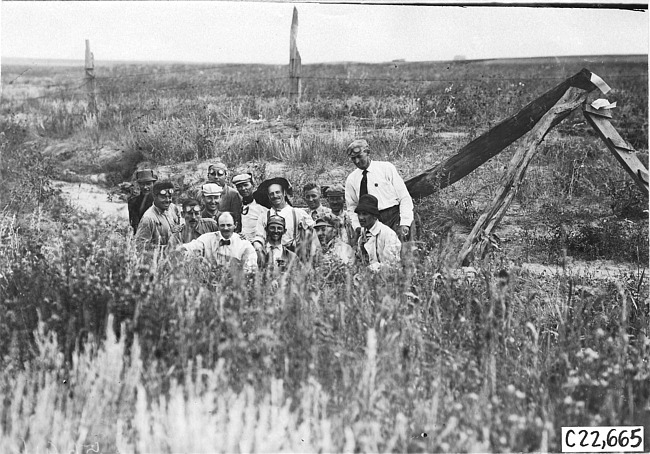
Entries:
{"x":258,"y":228}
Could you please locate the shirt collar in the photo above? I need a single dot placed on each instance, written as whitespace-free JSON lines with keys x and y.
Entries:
{"x":374,"y":230}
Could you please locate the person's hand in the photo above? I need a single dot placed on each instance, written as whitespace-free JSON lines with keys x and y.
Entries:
{"x":404,"y":231}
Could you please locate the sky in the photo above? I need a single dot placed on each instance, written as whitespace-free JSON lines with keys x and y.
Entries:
{"x":254,"y":32}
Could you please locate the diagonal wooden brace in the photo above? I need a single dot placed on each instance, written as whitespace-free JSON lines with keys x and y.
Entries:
{"x":478,"y":239}
{"x":488,"y":145}
{"x":622,"y":151}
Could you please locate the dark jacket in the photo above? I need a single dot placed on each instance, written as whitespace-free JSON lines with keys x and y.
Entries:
{"x":137,"y":206}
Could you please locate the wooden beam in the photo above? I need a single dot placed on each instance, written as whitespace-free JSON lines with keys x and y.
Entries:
{"x":620,"y":148}
{"x":294,"y":60}
{"x":90,"y":79}
{"x":479,"y":238}
{"x":488,"y":145}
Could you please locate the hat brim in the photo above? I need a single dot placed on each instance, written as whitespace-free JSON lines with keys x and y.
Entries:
{"x":261,"y":195}
{"x":368,"y":210}
{"x":146,"y":180}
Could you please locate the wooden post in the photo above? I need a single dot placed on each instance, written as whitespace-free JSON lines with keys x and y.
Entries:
{"x":90,"y":80}
{"x":477,"y":152}
{"x":479,"y":238}
{"x":294,"y":60}
{"x":622,"y":151}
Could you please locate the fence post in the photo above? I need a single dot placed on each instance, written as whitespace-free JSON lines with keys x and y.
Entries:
{"x":294,"y":60}
{"x":90,"y":79}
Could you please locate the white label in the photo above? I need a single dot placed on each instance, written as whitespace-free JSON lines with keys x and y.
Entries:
{"x":602,"y":439}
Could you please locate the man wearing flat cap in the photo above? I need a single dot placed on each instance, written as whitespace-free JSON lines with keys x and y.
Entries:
{"x":333,"y":249}
{"x":141,"y":202}
{"x":251,"y":209}
{"x":195,"y":225}
{"x":274,"y":255}
{"x":378,"y":246}
{"x":230,"y":201}
{"x":211,"y":196}
{"x":381,"y":180}
{"x":162,"y":219}
{"x":298,"y":236}
{"x":336,"y":200}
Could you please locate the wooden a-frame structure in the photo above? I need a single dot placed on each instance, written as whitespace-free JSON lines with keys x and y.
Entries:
{"x":536,"y":119}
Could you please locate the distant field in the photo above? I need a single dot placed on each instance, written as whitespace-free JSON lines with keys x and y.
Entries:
{"x":549,"y":329}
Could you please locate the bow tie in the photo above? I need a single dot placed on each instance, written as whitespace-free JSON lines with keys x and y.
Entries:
{"x":224,"y":242}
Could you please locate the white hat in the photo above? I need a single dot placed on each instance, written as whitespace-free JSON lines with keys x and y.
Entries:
{"x":211,"y":189}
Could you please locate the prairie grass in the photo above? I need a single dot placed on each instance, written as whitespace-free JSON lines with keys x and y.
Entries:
{"x":102,"y":348}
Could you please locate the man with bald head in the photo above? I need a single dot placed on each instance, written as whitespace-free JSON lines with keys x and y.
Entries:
{"x":225,"y":247}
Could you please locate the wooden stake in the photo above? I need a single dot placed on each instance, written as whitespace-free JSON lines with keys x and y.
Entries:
{"x":479,"y":238}
{"x":90,"y":80}
{"x":294,"y":60}
{"x":477,"y":152}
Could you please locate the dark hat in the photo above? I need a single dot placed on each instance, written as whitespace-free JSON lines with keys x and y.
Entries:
{"x":160,"y":185}
{"x":357,"y":146}
{"x":369,"y":204}
{"x":336,"y":190}
{"x":145,"y":176}
{"x":261,"y":195}
{"x":277,"y":220}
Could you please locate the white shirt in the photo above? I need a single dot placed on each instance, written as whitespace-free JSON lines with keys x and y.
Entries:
{"x":382,"y":245}
{"x":210,"y":247}
{"x":321,"y":210}
{"x":303,"y":219}
{"x":249,"y":220}
{"x":385,"y":183}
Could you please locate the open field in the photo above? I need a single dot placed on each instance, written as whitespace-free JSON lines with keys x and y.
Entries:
{"x":551,"y":330}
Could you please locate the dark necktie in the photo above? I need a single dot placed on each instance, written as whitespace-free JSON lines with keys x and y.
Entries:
{"x":363,"y":189}
{"x":223,"y":242}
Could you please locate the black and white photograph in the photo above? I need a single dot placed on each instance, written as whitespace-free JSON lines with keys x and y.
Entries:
{"x":324,"y":227}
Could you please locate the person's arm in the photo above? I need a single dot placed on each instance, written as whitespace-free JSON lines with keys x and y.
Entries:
{"x":351,"y":201}
{"x":147,"y":232}
{"x":405,"y":200}
{"x":392,"y":247}
{"x":260,"y":232}
{"x":249,"y":258}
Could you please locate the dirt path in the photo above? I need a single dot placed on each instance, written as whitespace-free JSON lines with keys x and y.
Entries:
{"x":92,"y":198}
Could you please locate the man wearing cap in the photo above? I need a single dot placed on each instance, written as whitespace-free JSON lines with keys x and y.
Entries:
{"x":336,"y":199}
{"x":381,"y":180}
{"x":141,"y":202}
{"x":379,"y":247}
{"x":274,"y":255}
{"x":311,"y":194}
{"x":162,"y":219}
{"x":211,"y":196}
{"x":230,"y":201}
{"x":251,"y":209}
{"x":195,"y":225}
{"x":225,"y":247}
{"x":332,"y":247}
{"x":298,"y":235}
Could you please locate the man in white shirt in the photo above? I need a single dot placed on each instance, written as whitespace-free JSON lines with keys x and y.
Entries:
{"x":298,"y":236}
{"x":311,"y":194}
{"x":379,"y":246}
{"x":381,"y":180}
{"x":251,"y":209}
{"x":225,"y":247}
